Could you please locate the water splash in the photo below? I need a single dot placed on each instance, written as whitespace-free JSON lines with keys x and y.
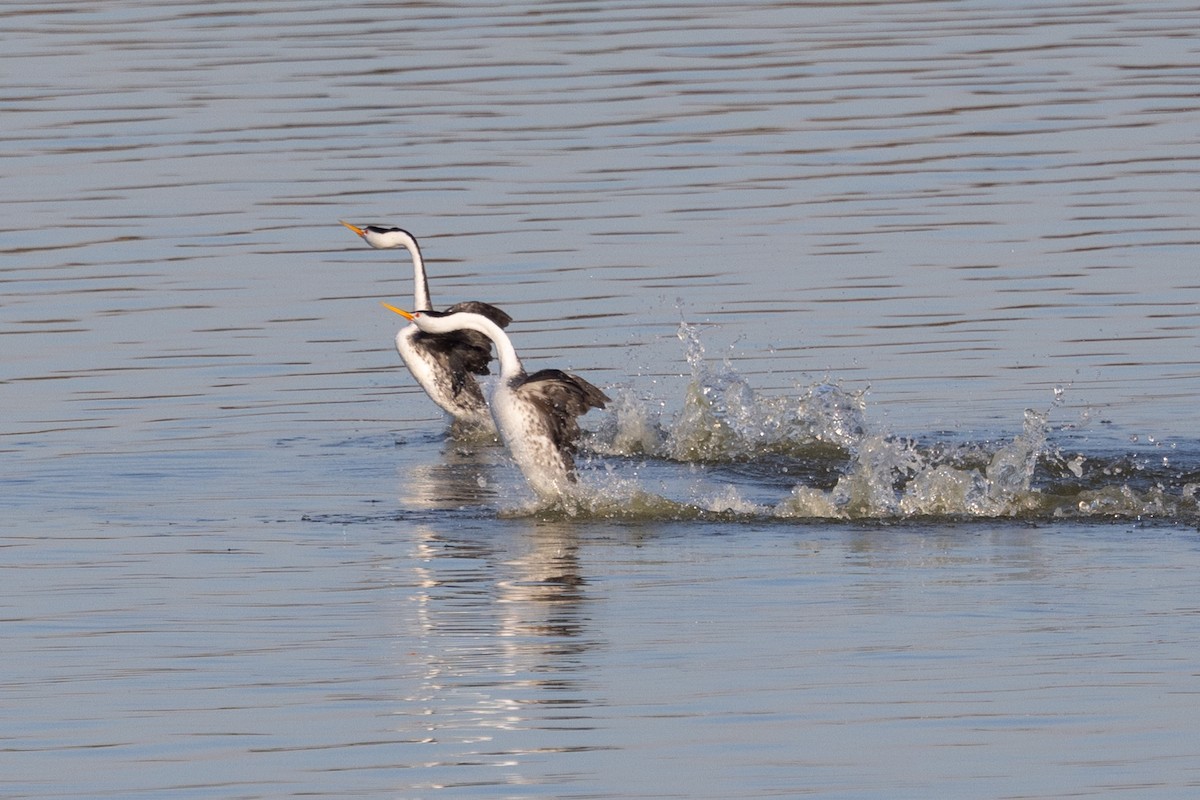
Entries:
{"x":888,"y":477}
{"x":839,"y":466}
{"x":724,"y":419}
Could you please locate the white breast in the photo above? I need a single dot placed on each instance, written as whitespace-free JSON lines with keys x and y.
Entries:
{"x":525,"y":435}
{"x":437,"y":384}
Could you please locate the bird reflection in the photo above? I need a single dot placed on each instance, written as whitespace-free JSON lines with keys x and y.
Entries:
{"x":548,"y":582}
{"x":501,"y":637}
{"x":464,"y":476}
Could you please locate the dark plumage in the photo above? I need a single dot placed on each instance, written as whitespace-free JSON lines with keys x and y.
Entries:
{"x":561,"y":398}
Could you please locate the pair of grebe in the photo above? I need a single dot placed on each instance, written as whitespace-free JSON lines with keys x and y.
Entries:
{"x":536,"y":415}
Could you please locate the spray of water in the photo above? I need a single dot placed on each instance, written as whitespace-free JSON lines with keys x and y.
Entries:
{"x":723,"y":419}
{"x":823,"y":430}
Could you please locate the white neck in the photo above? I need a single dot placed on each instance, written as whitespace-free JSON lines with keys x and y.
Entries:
{"x":506,"y":354}
{"x":387,"y":238}
{"x":421,"y":301}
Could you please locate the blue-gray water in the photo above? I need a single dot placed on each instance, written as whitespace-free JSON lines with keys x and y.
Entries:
{"x":897,"y":303}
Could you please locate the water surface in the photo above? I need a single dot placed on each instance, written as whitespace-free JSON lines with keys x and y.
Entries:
{"x":897,"y":302}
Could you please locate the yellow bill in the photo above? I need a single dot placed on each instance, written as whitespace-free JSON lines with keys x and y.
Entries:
{"x":390,"y":307}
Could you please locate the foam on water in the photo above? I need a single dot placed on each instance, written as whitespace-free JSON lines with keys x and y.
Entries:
{"x":824,"y":430}
{"x":892,"y":477}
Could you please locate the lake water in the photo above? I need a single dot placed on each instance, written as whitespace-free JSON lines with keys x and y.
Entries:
{"x":897,"y":302}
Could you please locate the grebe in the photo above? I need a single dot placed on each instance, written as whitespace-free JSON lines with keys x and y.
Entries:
{"x":445,"y":365}
{"x":536,"y":415}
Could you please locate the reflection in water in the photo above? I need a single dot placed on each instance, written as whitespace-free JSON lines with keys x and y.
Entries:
{"x":464,"y":475}
{"x":501,"y":633}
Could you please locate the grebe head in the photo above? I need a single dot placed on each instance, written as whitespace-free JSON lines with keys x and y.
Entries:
{"x":383,"y":238}
{"x":450,"y":321}
{"x":427,"y":321}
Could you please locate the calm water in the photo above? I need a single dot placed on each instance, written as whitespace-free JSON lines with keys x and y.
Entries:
{"x":897,"y":301}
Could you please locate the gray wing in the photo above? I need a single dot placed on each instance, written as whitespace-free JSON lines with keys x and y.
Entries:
{"x":561,"y":398}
